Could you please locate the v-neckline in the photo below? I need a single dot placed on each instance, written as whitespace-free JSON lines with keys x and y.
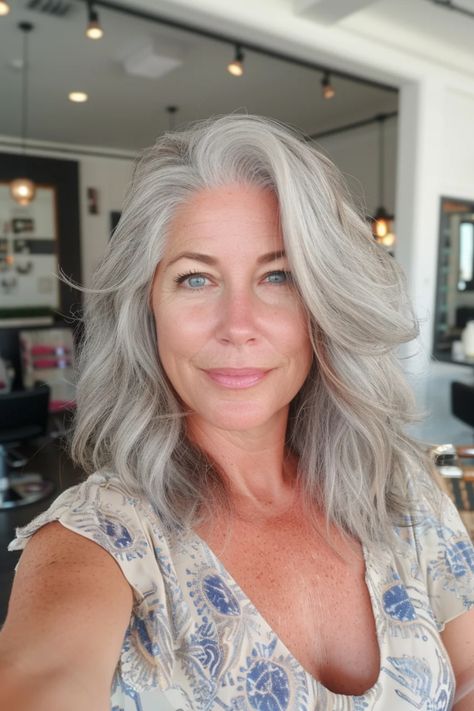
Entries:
{"x":314,"y":681}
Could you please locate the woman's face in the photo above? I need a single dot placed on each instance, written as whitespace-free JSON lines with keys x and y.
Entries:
{"x":232,"y":334}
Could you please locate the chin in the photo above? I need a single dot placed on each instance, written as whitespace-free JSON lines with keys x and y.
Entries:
{"x":242,"y":416}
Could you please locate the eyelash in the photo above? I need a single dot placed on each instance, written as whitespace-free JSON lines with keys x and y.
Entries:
{"x":181,"y":278}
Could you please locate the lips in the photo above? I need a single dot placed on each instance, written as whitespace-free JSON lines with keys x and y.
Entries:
{"x":237,"y":377}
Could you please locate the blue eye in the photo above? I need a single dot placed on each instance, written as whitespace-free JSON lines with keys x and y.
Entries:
{"x":279,"y":277}
{"x":192,"y":280}
{"x":196,"y":282}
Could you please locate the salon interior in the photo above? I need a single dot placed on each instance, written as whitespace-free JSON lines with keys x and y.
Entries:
{"x":384,"y":87}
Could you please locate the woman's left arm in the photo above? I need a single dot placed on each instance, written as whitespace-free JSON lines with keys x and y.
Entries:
{"x":458,"y":638}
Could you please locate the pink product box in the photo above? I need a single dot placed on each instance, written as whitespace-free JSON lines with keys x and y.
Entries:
{"x":44,"y":349}
{"x":40,"y":363}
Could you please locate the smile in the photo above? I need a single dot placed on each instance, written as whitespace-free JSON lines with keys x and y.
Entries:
{"x":236,"y":378}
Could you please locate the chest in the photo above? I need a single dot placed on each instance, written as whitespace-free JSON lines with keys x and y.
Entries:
{"x":312,"y":594}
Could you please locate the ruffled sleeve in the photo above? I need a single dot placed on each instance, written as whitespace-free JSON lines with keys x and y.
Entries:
{"x":101,"y":510}
{"x":446,"y":558}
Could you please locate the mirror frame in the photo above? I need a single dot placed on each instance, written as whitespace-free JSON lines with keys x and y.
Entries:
{"x":448,"y":205}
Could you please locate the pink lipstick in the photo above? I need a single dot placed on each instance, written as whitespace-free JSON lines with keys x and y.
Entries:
{"x":236,"y":377}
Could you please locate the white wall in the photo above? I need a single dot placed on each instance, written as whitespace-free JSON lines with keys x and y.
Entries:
{"x":111,"y":178}
{"x":356,"y":154}
{"x":457,"y":150}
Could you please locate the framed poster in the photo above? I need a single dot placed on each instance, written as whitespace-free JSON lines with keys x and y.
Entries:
{"x":29,"y":286}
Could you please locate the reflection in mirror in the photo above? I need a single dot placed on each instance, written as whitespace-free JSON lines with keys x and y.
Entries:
{"x":29,"y":290}
{"x":466,"y":255}
{"x":455,"y":283}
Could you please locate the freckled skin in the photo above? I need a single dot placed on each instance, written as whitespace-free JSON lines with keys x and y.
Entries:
{"x":313,"y":595}
{"x":233,"y":311}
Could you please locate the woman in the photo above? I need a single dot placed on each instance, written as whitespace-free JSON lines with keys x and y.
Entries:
{"x":257,"y":530}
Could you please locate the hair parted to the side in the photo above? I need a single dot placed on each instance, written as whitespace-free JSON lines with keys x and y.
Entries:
{"x":347,"y":422}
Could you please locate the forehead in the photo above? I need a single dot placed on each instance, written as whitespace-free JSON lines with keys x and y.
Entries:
{"x":226,"y":212}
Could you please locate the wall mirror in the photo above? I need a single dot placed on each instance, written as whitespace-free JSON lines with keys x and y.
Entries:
{"x":28,"y":255}
{"x":455,"y":283}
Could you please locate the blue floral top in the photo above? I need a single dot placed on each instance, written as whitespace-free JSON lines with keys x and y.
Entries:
{"x":195,"y":642}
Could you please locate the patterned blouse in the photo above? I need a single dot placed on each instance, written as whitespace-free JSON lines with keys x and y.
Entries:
{"x":195,"y":642}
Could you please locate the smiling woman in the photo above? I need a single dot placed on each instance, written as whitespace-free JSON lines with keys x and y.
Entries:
{"x":232,"y":339}
{"x":257,"y":530}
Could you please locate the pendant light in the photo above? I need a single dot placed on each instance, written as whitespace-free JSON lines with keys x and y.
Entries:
{"x":94,"y":29}
{"x":382,"y":221}
{"x":327,"y":89}
{"x":236,"y":67}
{"x":23,"y":189}
{"x":171,"y":111}
{"x":4,"y":7}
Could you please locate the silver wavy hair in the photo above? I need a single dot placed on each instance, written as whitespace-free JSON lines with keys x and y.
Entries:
{"x":346,"y":425}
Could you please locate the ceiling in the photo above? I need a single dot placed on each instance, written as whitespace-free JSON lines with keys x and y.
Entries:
{"x":423,"y":28}
{"x":126,"y":112}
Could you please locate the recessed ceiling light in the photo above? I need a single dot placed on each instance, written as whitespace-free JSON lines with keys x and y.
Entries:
{"x":78,"y":97}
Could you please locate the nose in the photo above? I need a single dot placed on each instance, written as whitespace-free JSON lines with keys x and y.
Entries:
{"x":237,"y":317}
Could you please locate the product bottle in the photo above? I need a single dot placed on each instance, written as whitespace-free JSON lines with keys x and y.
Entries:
{"x":467,"y":338}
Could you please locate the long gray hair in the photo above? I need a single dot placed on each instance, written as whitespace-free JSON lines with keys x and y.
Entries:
{"x":346,"y":425}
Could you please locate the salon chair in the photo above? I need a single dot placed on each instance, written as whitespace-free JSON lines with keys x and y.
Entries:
{"x":462,"y":402}
{"x":455,"y":468}
{"x":23,"y":416}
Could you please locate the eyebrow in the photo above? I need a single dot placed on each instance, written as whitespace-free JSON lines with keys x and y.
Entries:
{"x":212,"y":261}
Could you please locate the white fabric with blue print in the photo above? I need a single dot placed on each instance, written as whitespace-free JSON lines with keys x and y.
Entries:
{"x":195,"y":642}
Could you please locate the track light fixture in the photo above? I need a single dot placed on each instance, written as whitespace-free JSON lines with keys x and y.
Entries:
{"x":236,"y":67}
{"x":94,"y":30}
{"x":327,"y":89}
{"x":4,"y":7}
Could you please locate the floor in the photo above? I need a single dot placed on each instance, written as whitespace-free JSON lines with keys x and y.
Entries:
{"x":430,"y":383}
{"x":48,"y":458}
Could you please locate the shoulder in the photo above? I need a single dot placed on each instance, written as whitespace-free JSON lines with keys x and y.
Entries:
{"x":102,"y":510}
{"x":442,"y":555}
{"x":67,"y":591}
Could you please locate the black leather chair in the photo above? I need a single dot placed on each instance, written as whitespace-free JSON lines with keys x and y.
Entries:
{"x":462,"y":402}
{"x":23,"y":416}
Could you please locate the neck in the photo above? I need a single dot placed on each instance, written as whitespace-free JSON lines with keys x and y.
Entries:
{"x":260,"y":473}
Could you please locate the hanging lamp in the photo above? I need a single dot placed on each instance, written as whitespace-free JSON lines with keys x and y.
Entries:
{"x":327,"y":89}
{"x":236,"y":67}
{"x":94,"y":28}
{"x":171,"y":111}
{"x":382,"y":221}
{"x":4,"y":7}
{"x":23,"y":189}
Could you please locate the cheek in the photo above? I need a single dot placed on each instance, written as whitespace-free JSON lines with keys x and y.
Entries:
{"x":299,"y":343}
{"x":178,"y":337}
{"x":294,"y":330}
